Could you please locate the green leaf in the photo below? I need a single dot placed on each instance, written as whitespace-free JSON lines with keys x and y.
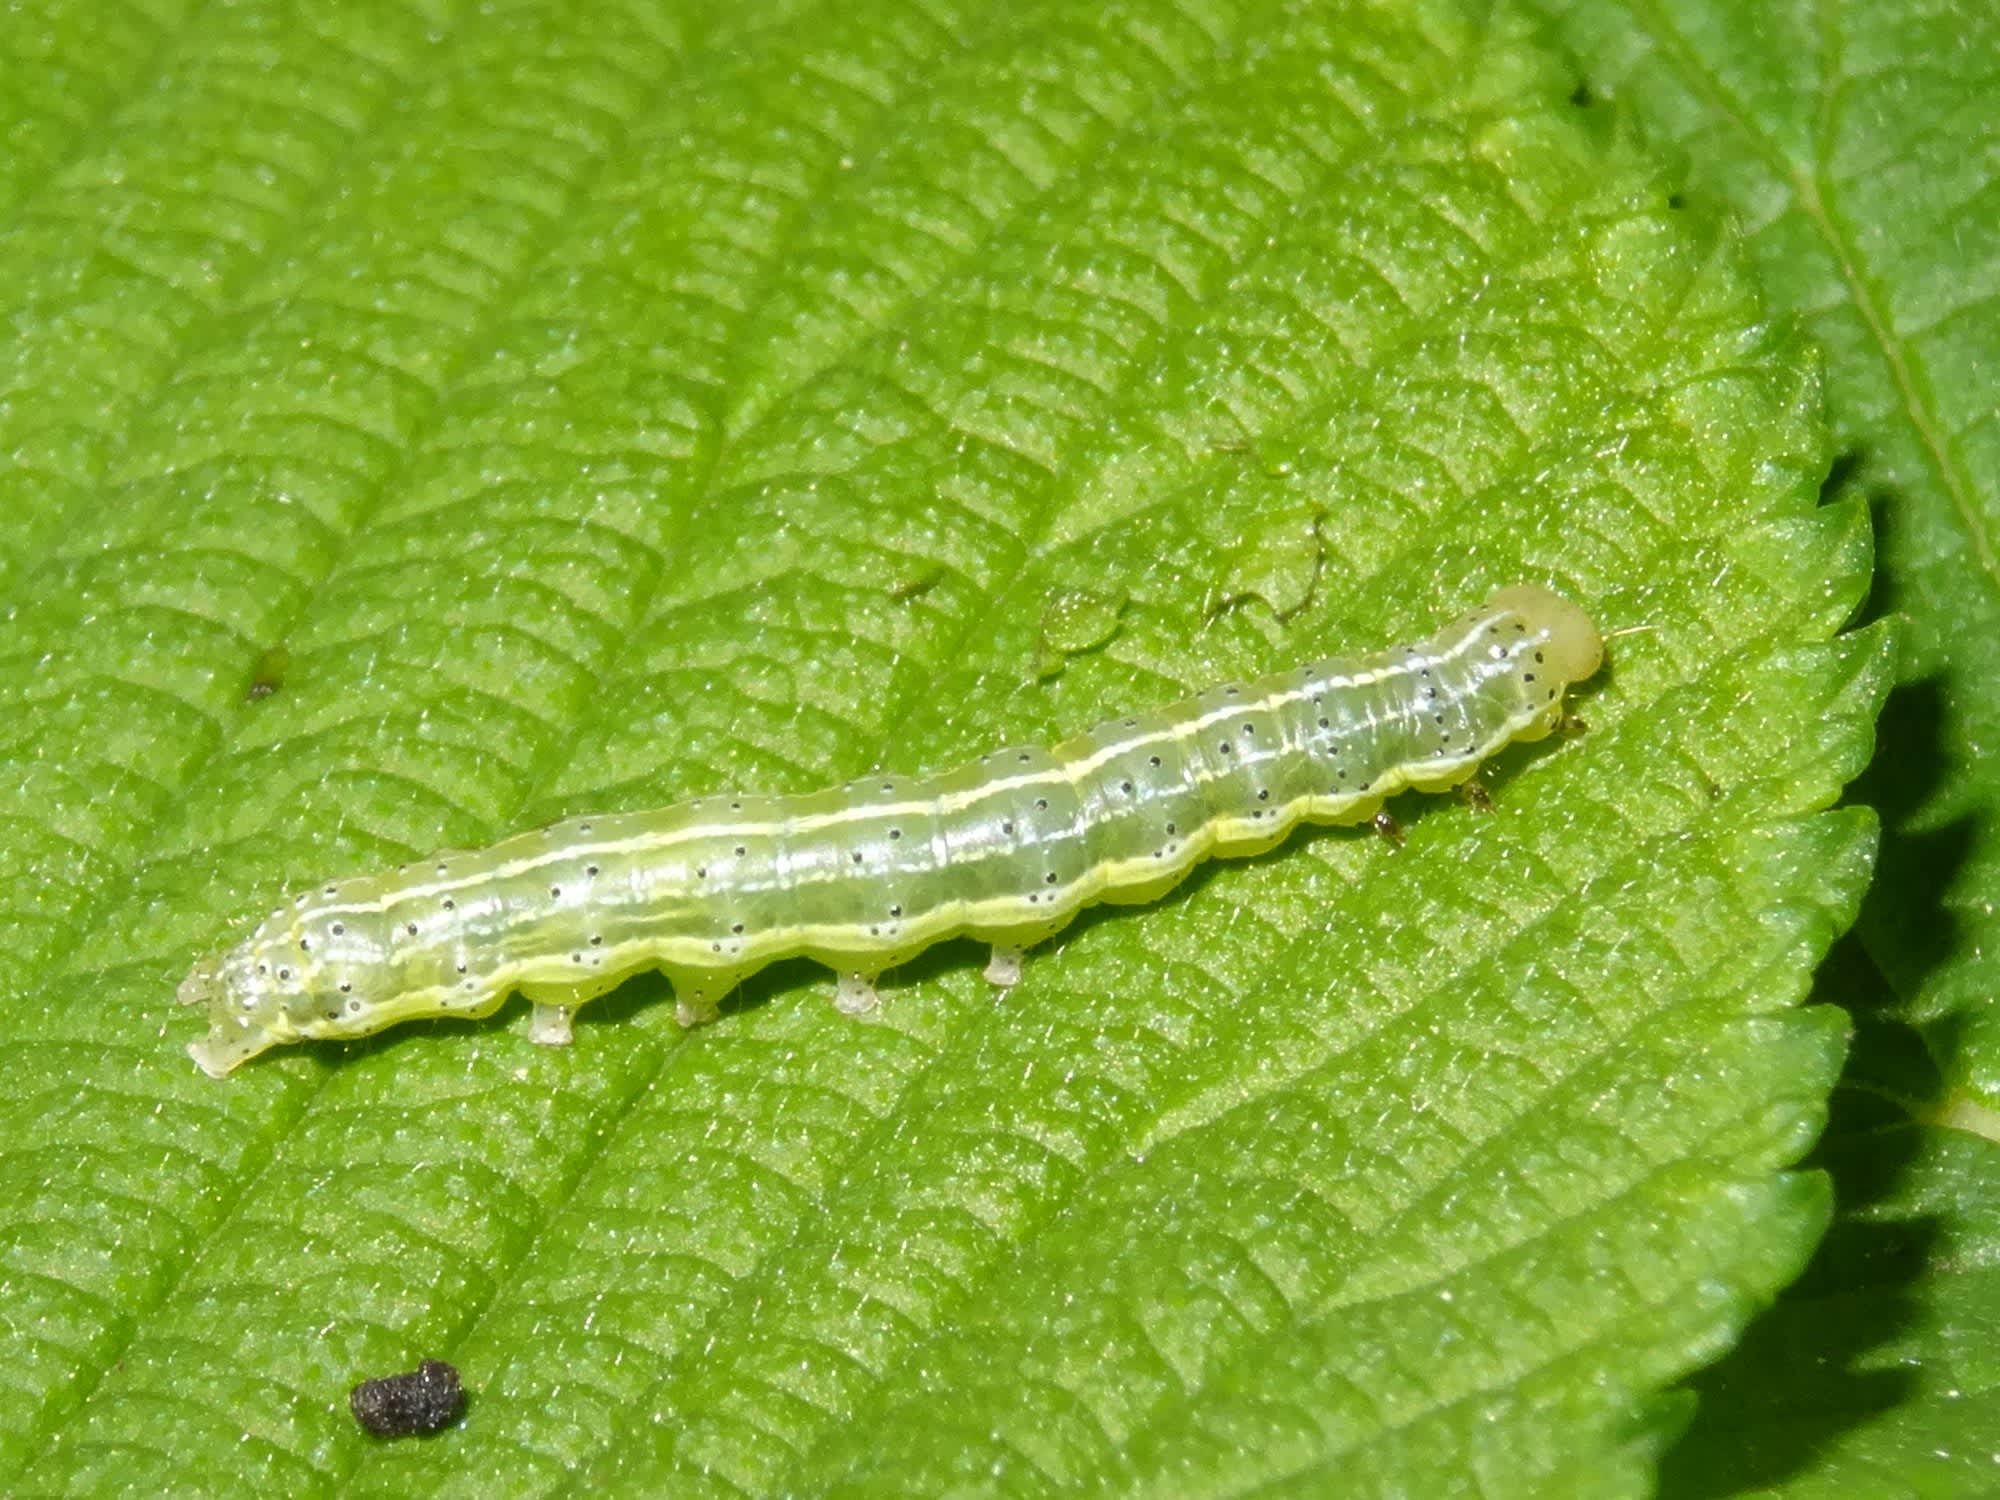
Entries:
{"x":427,"y":423}
{"x":1855,"y":144}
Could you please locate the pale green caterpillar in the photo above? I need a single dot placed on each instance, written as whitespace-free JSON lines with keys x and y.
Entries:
{"x":862,"y":877}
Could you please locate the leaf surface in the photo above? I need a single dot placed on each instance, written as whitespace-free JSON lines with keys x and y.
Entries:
{"x":427,"y":426}
{"x":1855,"y":147}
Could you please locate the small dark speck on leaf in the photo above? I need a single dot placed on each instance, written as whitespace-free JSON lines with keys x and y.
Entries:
{"x":424,"y":1400}
{"x":269,"y":674}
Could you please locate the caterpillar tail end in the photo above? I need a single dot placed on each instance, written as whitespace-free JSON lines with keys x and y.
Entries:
{"x":214,"y":1057}
{"x":232,"y":1039}
{"x":230,"y":1044}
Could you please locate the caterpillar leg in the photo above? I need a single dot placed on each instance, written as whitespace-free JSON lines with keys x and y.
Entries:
{"x":555,"y":1004}
{"x":202,"y":981}
{"x":1475,"y":796}
{"x":1004,"y":967}
{"x":549,"y":1025}
{"x":854,"y":994}
{"x":1389,"y":828}
{"x":692,"y":1013}
{"x":699,"y":993}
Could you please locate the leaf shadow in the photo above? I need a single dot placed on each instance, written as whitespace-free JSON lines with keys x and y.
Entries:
{"x":1799,"y":1379}
{"x":1905,"y":913}
{"x":1905,"y":922}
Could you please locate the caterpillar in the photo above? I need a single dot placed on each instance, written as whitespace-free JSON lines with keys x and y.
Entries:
{"x":1006,"y":849}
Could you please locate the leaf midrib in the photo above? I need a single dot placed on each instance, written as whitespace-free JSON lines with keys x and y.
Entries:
{"x":1806,"y":193}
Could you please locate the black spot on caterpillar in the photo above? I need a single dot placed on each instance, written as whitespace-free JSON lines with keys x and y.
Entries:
{"x":424,"y":1400}
{"x":1006,"y":849}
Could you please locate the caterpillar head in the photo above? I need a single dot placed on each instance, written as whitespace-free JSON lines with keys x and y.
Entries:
{"x":1574,"y":648}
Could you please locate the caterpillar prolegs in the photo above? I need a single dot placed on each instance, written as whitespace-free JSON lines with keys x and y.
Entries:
{"x":862,"y":877}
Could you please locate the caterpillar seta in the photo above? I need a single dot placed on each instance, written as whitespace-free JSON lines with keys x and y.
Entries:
{"x":1006,"y":849}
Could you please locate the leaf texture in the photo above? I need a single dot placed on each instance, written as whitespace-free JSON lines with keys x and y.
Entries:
{"x":428,"y":423}
{"x":1854,"y":145}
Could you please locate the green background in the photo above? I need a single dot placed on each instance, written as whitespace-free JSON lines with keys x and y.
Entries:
{"x":425,"y":421}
